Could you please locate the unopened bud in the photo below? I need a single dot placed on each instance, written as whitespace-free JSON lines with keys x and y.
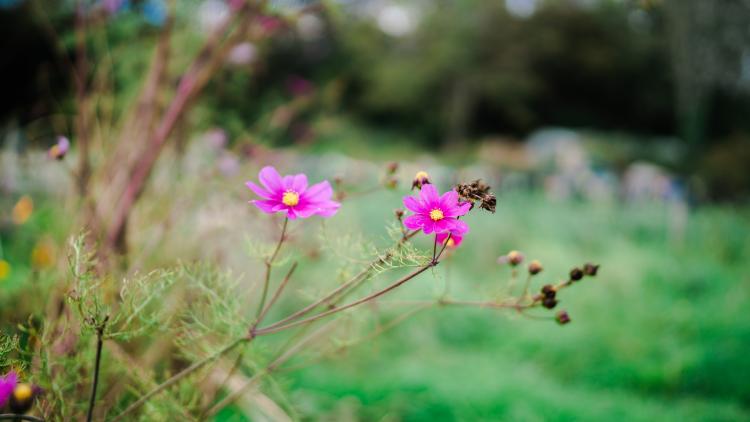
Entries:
{"x":515,"y":258}
{"x":576,"y":274}
{"x":590,"y":269}
{"x":549,"y":302}
{"x":420,"y":179}
{"x":391,"y":183}
{"x":562,"y":317}
{"x":535,"y":267}
{"x":399,"y":214}
{"x":392,"y":168}
{"x":21,"y":399}
{"x":549,"y":291}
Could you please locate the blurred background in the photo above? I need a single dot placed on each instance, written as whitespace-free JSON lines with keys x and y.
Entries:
{"x":613,"y":131}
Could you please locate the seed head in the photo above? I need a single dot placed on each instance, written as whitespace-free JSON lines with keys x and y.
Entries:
{"x":535,"y":267}
{"x":549,"y":291}
{"x":576,"y":274}
{"x":477,"y":191}
{"x":549,"y":302}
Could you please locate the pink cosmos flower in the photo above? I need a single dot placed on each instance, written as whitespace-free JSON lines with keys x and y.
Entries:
{"x":7,"y":385}
{"x":291,"y":194}
{"x":453,"y":242}
{"x":434,"y":213}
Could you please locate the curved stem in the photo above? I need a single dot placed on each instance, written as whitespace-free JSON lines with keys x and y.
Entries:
{"x":272,"y":329}
{"x":350,"y":283}
{"x":269,"y":265}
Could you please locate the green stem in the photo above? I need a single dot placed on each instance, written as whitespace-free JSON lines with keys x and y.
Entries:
{"x":269,"y":265}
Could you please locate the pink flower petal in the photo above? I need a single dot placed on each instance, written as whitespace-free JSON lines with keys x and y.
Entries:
{"x":299,"y":183}
{"x":429,"y":195}
{"x":318,"y":192}
{"x":412,"y":204}
{"x":416,"y":221}
{"x":268,"y":206}
{"x":271,"y":179}
{"x":440,"y":239}
{"x":459,"y":227}
{"x":259,"y":190}
{"x":449,"y":199}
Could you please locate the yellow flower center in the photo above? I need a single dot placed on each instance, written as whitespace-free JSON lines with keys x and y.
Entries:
{"x":290,"y":199}
{"x":23,"y":392}
{"x":436,"y":215}
{"x":450,"y":243}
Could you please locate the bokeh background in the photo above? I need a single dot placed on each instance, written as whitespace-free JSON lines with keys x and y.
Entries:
{"x":612,"y":131}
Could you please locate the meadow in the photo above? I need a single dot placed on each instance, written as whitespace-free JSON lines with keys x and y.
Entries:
{"x":659,"y":334}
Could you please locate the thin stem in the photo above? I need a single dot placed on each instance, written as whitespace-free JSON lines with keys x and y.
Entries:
{"x":269,"y":330}
{"x":525,"y":293}
{"x":445,"y":244}
{"x":97,"y":364}
{"x":275,"y":296}
{"x":14,"y":417}
{"x":434,"y":248}
{"x":179,"y":376}
{"x":269,"y":265}
{"x":351,"y":282}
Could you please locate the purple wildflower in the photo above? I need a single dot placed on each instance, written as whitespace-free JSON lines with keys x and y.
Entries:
{"x":434,"y":213}
{"x":291,"y":194}
{"x":7,"y":385}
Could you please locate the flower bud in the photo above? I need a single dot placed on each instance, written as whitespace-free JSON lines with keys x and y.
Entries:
{"x":22,"y":398}
{"x":562,"y":317}
{"x":421,"y":178}
{"x":391,"y":183}
{"x":535,"y":267}
{"x":549,"y":291}
{"x":399,"y":214}
{"x":576,"y":274}
{"x":392,"y":168}
{"x":549,"y":302}
{"x":515,"y":258}
{"x":590,"y":269}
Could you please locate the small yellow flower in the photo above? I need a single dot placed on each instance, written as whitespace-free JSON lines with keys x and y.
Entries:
{"x":23,"y":209}
{"x":4,"y":269}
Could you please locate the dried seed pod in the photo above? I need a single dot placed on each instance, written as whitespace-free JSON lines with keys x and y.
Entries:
{"x":549,"y":302}
{"x":576,"y":274}
{"x":590,"y":269}
{"x":549,"y":290}
{"x":562,"y":317}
